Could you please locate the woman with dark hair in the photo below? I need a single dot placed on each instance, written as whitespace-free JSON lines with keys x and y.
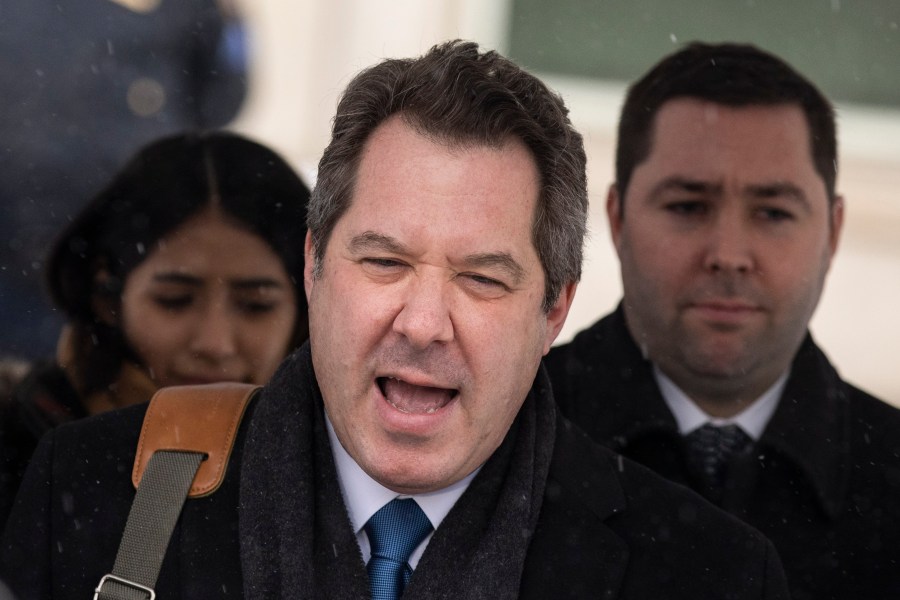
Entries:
{"x":186,"y":269}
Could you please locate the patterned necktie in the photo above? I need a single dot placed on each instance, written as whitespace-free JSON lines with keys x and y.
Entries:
{"x":711,"y":448}
{"x":394,"y":532}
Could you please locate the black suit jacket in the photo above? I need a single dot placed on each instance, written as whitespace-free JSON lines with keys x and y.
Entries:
{"x":608,"y":528}
{"x":823,"y":482}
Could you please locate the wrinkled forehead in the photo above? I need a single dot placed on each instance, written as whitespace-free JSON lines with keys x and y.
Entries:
{"x":400,"y":156}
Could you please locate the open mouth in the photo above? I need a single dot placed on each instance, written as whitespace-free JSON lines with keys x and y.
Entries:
{"x":415,"y":399}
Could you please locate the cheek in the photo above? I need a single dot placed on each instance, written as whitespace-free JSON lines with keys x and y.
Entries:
{"x":643,"y":269}
{"x":796,"y":282}
{"x":489,"y":425}
{"x":366,"y":312}
{"x":512,"y":348}
{"x":267,"y":345}
{"x":153,"y":335}
{"x":661,"y":261}
{"x":660,"y":256}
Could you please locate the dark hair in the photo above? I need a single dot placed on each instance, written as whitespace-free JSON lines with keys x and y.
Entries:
{"x":457,"y":95}
{"x":728,"y":74}
{"x":161,"y":187}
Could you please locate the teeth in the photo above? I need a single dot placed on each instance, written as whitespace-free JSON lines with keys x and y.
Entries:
{"x":400,"y":408}
{"x":414,"y":399}
{"x":427,"y":411}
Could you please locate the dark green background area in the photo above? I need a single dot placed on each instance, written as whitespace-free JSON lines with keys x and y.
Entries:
{"x":850,"y":48}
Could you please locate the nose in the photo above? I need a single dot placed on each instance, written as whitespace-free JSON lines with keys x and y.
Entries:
{"x":425,"y":315}
{"x":214,"y":333}
{"x":729,"y":245}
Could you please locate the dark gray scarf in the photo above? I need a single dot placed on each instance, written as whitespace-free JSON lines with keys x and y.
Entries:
{"x":296,"y":538}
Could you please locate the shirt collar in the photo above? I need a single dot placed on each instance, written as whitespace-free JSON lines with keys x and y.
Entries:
{"x":752,"y":420}
{"x":364,"y":496}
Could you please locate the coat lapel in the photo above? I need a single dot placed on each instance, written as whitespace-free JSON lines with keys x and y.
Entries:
{"x":582,"y":493}
{"x":811,"y":426}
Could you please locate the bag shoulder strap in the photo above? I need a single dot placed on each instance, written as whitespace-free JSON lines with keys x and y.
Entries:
{"x":183,"y":451}
{"x":196,"y":418}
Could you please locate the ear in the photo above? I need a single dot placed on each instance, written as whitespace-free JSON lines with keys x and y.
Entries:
{"x":104,"y":300}
{"x":837,"y":224}
{"x":614,"y":214}
{"x":556,"y":316}
{"x":308,"y":264}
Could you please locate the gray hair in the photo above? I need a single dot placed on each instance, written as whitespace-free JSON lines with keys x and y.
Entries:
{"x":460,"y":96}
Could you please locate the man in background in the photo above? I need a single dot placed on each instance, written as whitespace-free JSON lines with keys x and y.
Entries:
{"x":725,"y":219}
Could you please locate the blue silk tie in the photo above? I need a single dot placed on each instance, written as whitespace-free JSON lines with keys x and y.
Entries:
{"x":394,"y":532}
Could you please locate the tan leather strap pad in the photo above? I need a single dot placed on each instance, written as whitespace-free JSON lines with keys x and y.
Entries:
{"x":194,"y":418}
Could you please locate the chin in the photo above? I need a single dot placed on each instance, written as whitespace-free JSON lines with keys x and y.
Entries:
{"x":713,"y":366}
{"x":415,"y":478}
{"x":404,"y":483}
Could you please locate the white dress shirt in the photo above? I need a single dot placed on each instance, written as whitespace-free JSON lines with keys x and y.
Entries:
{"x":364,"y":497}
{"x":689,"y":416}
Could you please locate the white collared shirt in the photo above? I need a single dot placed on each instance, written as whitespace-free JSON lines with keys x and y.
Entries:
{"x":689,"y":416}
{"x":364,"y":497}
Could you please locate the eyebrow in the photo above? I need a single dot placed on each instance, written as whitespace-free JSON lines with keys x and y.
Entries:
{"x":684,"y":184}
{"x":498,"y":260}
{"x":240,"y":284}
{"x":371,"y":241}
{"x":776,"y":189}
